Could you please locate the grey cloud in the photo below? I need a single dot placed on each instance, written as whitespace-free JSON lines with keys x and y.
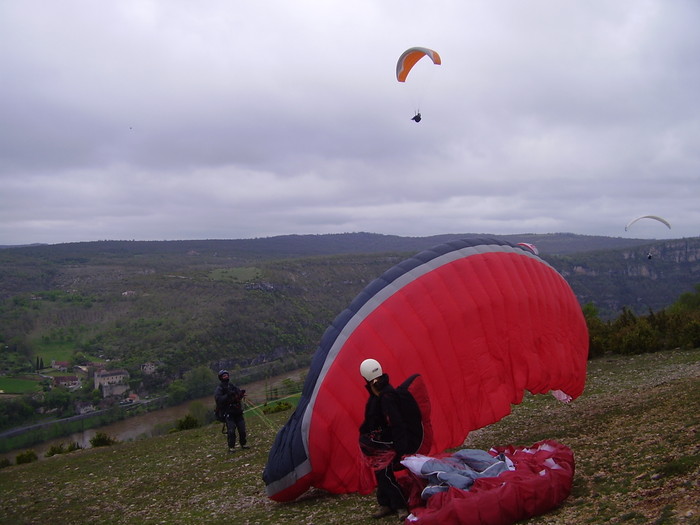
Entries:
{"x":152,"y":121}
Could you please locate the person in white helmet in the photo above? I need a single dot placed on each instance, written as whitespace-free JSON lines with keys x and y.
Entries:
{"x":383,"y":439}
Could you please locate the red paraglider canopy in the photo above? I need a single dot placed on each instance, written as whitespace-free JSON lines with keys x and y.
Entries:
{"x":481,"y":320}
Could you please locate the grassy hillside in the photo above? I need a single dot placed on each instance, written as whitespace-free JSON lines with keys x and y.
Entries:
{"x":634,"y":433}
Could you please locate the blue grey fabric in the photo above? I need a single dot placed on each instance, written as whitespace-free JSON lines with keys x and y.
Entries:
{"x":449,"y":463}
{"x":461,"y":480}
{"x":431,"y":490}
{"x":474,"y":458}
{"x":460,"y":470}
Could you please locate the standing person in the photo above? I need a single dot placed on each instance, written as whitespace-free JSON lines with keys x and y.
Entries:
{"x":383,"y":439}
{"x":229,"y":399}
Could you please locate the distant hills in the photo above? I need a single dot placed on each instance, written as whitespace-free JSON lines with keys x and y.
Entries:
{"x":602,"y":270}
{"x":285,"y":246}
{"x":5,"y":246}
{"x":248,"y":301}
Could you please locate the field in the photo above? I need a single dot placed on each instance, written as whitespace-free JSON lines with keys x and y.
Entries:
{"x":59,"y":351}
{"x":634,"y":433}
{"x":9,"y":385}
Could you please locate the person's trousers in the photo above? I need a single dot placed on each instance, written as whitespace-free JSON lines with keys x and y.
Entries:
{"x":388,"y":490}
{"x":235,"y":423}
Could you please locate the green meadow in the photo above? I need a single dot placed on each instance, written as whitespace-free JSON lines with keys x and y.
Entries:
{"x":10,"y":385}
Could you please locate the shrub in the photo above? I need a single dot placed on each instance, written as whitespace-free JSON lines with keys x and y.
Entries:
{"x":102,"y":440}
{"x":55,"y":449}
{"x":187,"y":422}
{"x":73,"y":446}
{"x":639,"y":338}
{"x":201,"y":413}
{"x":277,"y":407}
{"x":598,"y":337}
{"x":4,"y":462}
{"x":690,"y":334}
{"x":26,"y":457}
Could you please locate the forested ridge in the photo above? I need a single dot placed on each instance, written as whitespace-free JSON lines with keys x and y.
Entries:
{"x":266,"y":302}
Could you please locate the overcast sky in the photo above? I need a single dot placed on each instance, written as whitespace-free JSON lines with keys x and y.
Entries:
{"x":164,"y":120}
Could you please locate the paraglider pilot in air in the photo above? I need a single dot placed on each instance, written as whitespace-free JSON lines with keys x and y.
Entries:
{"x":417,"y":116}
{"x":229,"y":399}
{"x":383,"y":439}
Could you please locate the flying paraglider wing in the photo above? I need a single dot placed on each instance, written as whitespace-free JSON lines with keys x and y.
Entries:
{"x":481,"y":320}
{"x":654,"y":217}
{"x":410,"y":57}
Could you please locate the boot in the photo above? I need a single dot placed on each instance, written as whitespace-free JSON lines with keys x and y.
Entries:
{"x":402,"y":514}
{"x":382,"y":511}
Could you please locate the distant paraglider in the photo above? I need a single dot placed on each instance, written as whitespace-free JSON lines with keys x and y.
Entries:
{"x":650,"y":255}
{"x":408,"y":59}
{"x":654,"y":217}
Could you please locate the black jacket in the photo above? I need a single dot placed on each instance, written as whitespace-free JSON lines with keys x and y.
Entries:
{"x":383,"y":419}
{"x":229,"y":398}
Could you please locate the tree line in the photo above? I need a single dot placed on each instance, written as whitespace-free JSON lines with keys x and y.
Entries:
{"x":677,"y":326}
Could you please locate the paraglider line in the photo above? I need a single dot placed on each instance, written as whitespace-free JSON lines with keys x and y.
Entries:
{"x":258,"y":412}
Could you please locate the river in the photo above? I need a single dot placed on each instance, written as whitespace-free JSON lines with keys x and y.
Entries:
{"x":142,"y":425}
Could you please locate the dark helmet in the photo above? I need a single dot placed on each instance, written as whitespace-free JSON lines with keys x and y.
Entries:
{"x":221,"y":373}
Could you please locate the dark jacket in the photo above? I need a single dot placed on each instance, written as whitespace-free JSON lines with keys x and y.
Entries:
{"x":229,"y":398}
{"x":383,"y":419}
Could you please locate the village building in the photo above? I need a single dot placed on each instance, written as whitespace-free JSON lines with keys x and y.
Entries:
{"x":69,"y":382}
{"x":84,"y":407}
{"x":148,"y":368}
{"x":61,"y":366}
{"x":112,"y":382}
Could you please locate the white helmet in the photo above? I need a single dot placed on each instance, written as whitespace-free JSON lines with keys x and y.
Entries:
{"x":370,"y":369}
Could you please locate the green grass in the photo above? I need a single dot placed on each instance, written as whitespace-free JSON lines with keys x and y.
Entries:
{"x":634,"y":434}
{"x":10,"y":385}
{"x":56,"y":351}
{"x":680,"y":466}
{"x":236,"y":275}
